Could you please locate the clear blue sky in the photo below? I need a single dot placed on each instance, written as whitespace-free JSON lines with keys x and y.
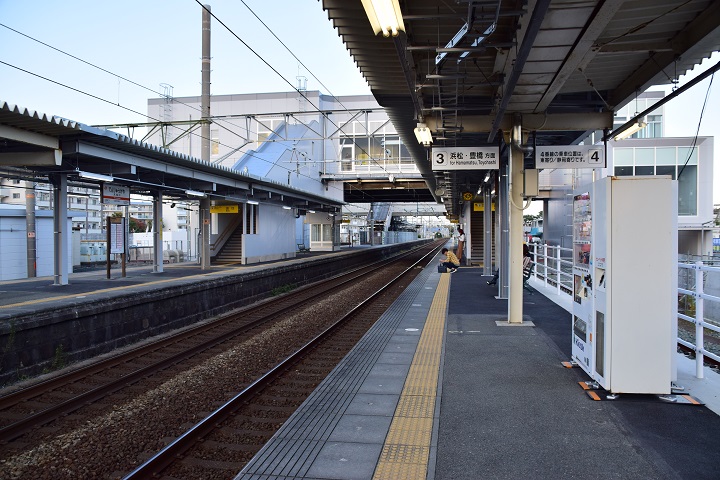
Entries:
{"x":159,"y":41}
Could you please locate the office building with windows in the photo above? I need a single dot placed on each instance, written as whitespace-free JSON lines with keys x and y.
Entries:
{"x":688,"y":160}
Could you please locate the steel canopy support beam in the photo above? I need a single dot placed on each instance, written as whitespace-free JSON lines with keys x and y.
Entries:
{"x":32,"y":159}
{"x":652,"y":71}
{"x":534,"y":121}
{"x":538,"y":14}
{"x":32,"y":138}
{"x":582,"y":52}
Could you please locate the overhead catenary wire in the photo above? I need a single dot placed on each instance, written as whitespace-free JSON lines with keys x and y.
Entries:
{"x":128,"y":109}
{"x":117,"y":104}
{"x":232,"y":32}
{"x":120,"y":77}
{"x":697,"y":132}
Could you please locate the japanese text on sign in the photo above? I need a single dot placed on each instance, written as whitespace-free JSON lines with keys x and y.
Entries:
{"x":466,"y":158}
{"x":570,"y":156}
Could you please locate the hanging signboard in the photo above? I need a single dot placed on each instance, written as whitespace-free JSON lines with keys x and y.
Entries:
{"x":115,"y":194}
{"x":570,"y":156}
{"x":224,"y":209}
{"x":466,"y":158}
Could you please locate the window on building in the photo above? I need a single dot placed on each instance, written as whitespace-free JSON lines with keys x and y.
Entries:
{"x":346,"y":155}
{"x":623,"y":157}
{"x":16,"y":195}
{"x":665,"y":170}
{"x":362,"y":151}
{"x":251,"y":218}
{"x":645,"y":156}
{"x":623,"y":171}
{"x":687,"y":190}
{"x":666,"y":156}
{"x":266,"y":128}
{"x":654,"y":127}
{"x":405,"y":157}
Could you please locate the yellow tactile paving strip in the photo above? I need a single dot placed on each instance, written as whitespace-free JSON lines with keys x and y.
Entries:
{"x":406,"y":451}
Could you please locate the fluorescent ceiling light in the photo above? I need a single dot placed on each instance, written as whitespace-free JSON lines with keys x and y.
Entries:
{"x":635,"y":127}
{"x":311,"y":211}
{"x":384,"y":16}
{"x":95,"y":176}
{"x":252,"y":202}
{"x":194,"y":193}
{"x":423,"y":135}
{"x":285,"y":207}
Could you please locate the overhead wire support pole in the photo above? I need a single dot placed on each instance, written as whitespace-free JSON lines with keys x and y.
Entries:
{"x":205,"y":137}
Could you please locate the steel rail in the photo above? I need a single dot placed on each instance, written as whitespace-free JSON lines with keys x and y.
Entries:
{"x":168,"y":455}
{"x":16,"y":429}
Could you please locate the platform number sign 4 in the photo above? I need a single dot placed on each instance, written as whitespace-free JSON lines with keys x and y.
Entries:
{"x":595,"y":157}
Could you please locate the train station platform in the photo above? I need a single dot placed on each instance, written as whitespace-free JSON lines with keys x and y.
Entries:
{"x":92,"y":283}
{"x":43,"y":325}
{"x":441,"y":389}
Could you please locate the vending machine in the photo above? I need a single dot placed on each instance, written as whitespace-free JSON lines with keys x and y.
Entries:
{"x":625,"y":282}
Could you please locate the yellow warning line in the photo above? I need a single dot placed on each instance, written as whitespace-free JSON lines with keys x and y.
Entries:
{"x":406,"y":451}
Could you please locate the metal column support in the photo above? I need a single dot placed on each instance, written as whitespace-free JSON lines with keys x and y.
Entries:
{"x":157,"y":234}
{"x":487,"y":232}
{"x":516,"y":160}
{"x":60,"y":214}
{"x":502,"y":252}
{"x":204,"y":234}
{"x":30,"y":225}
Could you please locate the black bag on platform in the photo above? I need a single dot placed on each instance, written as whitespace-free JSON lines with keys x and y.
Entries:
{"x":442,"y":269}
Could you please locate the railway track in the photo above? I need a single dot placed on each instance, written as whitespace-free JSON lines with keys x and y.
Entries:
{"x":221,"y":444}
{"x":37,"y":415}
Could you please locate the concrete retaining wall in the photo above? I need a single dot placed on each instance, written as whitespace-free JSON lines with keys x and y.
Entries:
{"x":47,"y":338}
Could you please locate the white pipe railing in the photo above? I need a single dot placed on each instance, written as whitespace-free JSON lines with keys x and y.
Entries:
{"x":555,"y":271}
{"x":699,"y":319}
{"x":549,"y":265}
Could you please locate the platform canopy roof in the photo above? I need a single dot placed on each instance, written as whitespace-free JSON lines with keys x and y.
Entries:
{"x":467,"y":68}
{"x":35,"y":147}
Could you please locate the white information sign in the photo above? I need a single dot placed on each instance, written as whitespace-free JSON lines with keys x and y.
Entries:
{"x":570,"y":156}
{"x":115,"y":194}
{"x":117,"y":237}
{"x":466,"y":158}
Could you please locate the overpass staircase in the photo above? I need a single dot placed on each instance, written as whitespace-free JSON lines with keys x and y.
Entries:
{"x":230,"y":242}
